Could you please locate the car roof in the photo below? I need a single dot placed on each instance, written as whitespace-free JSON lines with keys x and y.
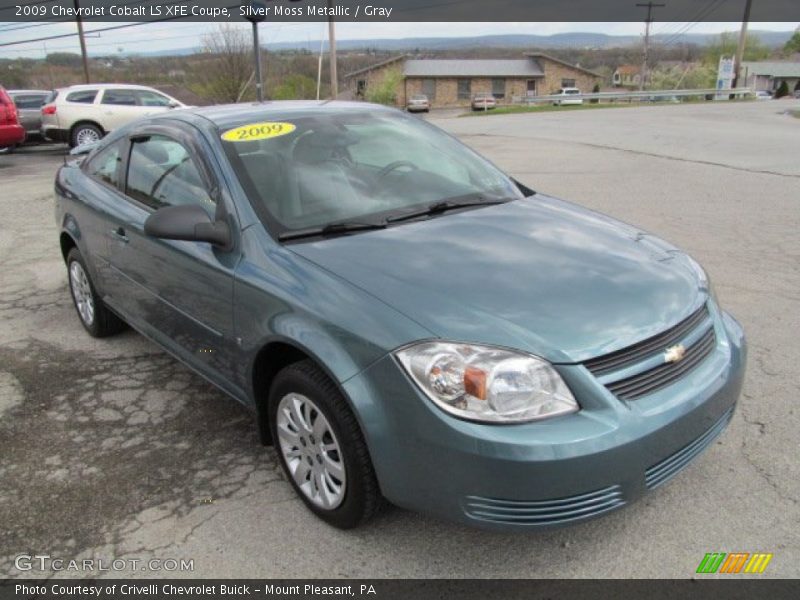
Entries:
{"x":102,"y":86}
{"x":228,"y":115}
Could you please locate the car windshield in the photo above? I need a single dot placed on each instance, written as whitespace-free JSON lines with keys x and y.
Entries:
{"x":313,"y":170}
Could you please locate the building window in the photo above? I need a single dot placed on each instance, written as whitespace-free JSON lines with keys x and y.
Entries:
{"x":499,"y":88}
{"x":429,"y":88}
{"x":567,"y":83}
{"x":464,"y":89}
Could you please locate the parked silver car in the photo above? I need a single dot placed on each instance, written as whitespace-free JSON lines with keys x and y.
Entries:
{"x":419,"y":103}
{"x":29,"y":106}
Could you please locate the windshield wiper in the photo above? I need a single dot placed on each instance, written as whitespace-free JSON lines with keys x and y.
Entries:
{"x":445,"y":205}
{"x":341,"y":228}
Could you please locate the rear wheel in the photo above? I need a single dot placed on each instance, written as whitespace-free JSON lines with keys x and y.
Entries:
{"x":95,"y":316}
{"x":85,"y":133}
{"x":321,"y":447}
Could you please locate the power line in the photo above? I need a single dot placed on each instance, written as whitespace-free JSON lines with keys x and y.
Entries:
{"x":705,"y":12}
{"x":124,"y":41}
{"x":23,"y":4}
{"x":100,"y":30}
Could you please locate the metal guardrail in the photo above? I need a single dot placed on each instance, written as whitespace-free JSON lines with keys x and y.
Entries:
{"x":638,"y":95}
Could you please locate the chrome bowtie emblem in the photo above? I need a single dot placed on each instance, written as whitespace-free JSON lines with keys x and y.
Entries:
{"x":674,"y":353}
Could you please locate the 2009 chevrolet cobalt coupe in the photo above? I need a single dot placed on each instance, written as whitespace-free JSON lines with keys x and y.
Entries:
{"x":408,"y":322}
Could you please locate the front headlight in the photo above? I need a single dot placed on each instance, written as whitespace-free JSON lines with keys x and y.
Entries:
{"x":482,"y":383}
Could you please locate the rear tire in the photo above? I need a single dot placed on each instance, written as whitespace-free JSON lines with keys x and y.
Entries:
{"x":96,"y":318}
{"x":321,"y":448}
{"x":85,"y":133}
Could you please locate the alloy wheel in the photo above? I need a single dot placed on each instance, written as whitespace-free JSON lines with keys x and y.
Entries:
{"x":311,"y":451}
{"x":82,"y":292}
{"x":86,"y":136}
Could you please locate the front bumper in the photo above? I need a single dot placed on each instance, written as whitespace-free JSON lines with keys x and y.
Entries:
{"x":549,"y":473}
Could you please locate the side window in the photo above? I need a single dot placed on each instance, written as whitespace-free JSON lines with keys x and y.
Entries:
{"x":161,"y":173}
{"x":464,"y":89}
{"x":82,"y":97}
{"x":567,"y":83}
{"x":147,"y":98}
{"x":29,"y":101}
{"x":429,"y":88}
{"x":499,"y":88}
{"x":105,"y":166}
{"x":119,"y":97}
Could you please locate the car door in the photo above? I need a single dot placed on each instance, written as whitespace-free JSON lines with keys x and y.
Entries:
{"x":118,"y":107}
{"x":102,"y":192}
{"x":178,"y":292}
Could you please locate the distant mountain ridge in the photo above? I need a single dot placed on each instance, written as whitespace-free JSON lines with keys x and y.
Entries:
{"x":558,"y":40}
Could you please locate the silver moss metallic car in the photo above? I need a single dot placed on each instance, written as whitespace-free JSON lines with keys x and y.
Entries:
{"x":408,"y":322}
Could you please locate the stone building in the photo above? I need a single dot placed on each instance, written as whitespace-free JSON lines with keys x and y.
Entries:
{"x":453,"y":82}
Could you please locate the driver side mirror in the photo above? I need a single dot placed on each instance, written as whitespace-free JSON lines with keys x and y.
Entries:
{"x":188,"y":222}
{"x":173,"y":104}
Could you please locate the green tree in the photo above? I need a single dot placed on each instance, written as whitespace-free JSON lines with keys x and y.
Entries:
{"x":385,"y":90}
{"x":793,"y":45}
{"x":783,"y":90}
{"x":595,"y":90}
{"x":296,"y":87}
{"x":727,"y":43}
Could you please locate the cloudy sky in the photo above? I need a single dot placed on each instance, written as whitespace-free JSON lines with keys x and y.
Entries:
{"x":163,"y":36}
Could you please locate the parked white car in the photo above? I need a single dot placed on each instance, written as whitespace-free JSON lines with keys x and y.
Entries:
{"x":83,"y":114}
{"x":567,"y":97}
{"x":763,"y":95}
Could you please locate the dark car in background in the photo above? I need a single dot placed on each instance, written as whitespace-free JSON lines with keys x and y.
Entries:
{"x":11,"y":132}
{"x":29,"y":107}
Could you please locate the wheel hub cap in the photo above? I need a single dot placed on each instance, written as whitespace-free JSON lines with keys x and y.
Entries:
{"x":311,"y":451}
{"x":87,"y":136}
{"x":81,"y":292}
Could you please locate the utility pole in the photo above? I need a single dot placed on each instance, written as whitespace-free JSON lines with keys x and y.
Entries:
{"x":257,"y":14}
{"x":257,"y":55}
{"x":79,"y":22}
{"x":332,"y":42}
{"x":737,"y":63}
{"x":649,"y":6}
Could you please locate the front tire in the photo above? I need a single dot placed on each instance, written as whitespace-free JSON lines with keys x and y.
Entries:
{"x":321,"y":448}
{"x":95,"y":316}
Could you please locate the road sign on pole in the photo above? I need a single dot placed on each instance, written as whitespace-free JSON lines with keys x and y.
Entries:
{"x":725,"y":75}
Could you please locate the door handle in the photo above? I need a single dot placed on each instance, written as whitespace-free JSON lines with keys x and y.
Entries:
{"x":119,"y":235}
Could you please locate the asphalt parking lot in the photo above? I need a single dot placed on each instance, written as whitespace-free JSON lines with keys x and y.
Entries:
{"x":111,"y":449}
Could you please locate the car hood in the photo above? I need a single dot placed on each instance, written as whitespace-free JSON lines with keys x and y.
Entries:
{"x":540,"y":275}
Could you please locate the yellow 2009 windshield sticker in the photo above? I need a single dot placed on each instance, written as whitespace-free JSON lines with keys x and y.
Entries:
{"x":258,"y":131}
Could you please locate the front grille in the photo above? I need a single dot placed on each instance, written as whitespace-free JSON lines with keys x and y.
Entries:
{"x":652,"y":380}
{"x":544,"y":512}
{"x":631,"y":355}
{"x":674,"y":464}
